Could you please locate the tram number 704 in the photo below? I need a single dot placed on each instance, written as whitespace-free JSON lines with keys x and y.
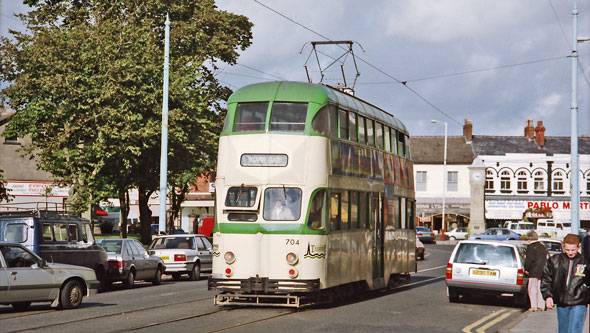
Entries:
{"x":291,"y":241}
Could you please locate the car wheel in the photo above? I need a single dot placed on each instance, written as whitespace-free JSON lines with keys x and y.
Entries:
{"x":21,"y":306}
{"x":453,"y":238}
{"x":176,"y":276}
{"x":158,"y":278}
{"x":453,"y":295}
{"x":130,"y":280}
{"x":195,"y":274}
{"x":71,"y":295}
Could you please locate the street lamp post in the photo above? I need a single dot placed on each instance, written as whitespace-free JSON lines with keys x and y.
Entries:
{"x":444,"y":178}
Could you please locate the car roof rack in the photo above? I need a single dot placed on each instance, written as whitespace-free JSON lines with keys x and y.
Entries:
{"x":37,"y":209}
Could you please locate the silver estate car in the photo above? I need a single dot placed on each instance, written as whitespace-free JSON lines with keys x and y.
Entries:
{"x":494,"y":268}
{"x":26,"y":278}
{"x":184,"y":254}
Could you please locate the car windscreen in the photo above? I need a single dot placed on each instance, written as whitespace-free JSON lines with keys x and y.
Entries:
{"x":110,"y":245}
{"x":241,"y":196}
{"x":486,"y":254}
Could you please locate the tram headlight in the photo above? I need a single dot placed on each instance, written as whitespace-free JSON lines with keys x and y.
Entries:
{"x":292,"y":258}
{"x":229,"y":257}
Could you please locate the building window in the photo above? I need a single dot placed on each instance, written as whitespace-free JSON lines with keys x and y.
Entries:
{"x":588,"y":185}
{"x":420,"y":180}
{"x":505,"y":182}
{"x":539,"y":180}
{"x":489,"y":182}
{"x":558,"y":183}
{"x":521,"y":182}
{"x":452,"y":181}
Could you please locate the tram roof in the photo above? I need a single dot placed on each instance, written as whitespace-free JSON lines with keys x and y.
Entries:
{"x":293,"y":91}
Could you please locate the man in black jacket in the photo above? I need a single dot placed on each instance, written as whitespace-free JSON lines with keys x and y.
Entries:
{"x":564,"y":284}
{"x":536,"y":256}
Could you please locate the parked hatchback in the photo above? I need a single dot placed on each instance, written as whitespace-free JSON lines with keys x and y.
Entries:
{"x":425,"y":235}
{"x":26,"y":278}
{"x":487,"y":268}
{"x":184,"y":254}
{"x":128,"y":261}
{"x":457,"y":233}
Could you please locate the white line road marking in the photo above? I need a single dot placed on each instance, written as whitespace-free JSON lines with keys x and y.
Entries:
{"x":467,"y":329}
{"x":418,"y":282}
{"x":431,"y":268}
{"x":495,"y":321}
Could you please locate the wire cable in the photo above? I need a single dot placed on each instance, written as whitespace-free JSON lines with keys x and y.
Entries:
{"x":404,"y":83}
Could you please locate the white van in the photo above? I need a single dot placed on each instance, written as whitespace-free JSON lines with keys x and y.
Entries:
{"x":554,"y":228}
{"x":520,"y":227}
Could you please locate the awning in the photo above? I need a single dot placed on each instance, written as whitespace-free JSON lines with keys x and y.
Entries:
{"x":100,"y":212}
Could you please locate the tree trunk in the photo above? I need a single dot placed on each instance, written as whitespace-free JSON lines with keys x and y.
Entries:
{"x":145,"y":215}
{"x":176,"y":199}
{"x":124,"y":204}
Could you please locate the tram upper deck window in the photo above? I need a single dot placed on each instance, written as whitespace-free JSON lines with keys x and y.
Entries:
{"x":379,"y":135}
{"x":288,"y":117}
{"x":241,"y":196}
{"x":401,"y":144}
{"x":321,"y":121}
{"x":362,"y":129}
{"x":387,"y":139}
{"x":250,"y":117}
{"x":353,"y":133}
{"x":343,"y":124}
{"x":370,"y":132}
{"x":282,"y":204}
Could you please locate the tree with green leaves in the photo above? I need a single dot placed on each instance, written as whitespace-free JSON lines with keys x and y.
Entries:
{"x":86,"y":80}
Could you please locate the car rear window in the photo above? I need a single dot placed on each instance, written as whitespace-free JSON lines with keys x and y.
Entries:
{"x":486,"y":254}
{"x":111,"y":245}
{"x":173,"y":243}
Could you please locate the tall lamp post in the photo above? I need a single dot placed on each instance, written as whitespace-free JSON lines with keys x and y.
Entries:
{"x":444,"y":178}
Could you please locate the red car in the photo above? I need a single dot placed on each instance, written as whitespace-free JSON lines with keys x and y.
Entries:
{"x":206,"y":225}
{"x":419,"y":250}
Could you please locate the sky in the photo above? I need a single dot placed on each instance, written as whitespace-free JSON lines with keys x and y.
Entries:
{"x":494,"y":62}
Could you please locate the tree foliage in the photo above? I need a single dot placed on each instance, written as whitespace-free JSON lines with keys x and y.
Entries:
{"x":86,"y":81}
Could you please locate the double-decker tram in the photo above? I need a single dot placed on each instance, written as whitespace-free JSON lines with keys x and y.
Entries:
{"x":314,"y":197}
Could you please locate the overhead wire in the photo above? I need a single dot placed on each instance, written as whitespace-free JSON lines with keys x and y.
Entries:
{"x":404,"y":83}
{"x":477,"y":70}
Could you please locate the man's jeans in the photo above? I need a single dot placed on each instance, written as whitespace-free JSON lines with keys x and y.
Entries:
{"x":570,"y":319}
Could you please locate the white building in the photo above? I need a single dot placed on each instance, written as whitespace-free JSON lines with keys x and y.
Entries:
{"x":526,"y":177}
{"x":428,"y":156}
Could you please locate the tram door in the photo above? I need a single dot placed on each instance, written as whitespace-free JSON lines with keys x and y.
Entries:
{"x":377,"y":224}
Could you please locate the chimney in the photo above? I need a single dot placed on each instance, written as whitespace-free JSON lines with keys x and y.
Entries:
{"x":529,"y":130}
{"x":468,"y":130}
{"x":540,"y":134}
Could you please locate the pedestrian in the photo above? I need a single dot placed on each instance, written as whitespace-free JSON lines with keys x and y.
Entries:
{"x":586,"y":246}
{"x":536,"y":256}
{"x":563,"y":285}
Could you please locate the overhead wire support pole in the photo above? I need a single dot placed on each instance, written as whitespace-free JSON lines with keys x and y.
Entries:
{"x":164,"y":148}
{"x":574,"y":186}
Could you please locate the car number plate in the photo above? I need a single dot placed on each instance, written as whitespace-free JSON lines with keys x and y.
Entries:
{"x":483,"y":272}
{"x":165,"y":257}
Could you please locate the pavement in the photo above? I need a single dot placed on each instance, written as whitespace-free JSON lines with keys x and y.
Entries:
{"x":540,"y":321}
{"x":528,"y":321}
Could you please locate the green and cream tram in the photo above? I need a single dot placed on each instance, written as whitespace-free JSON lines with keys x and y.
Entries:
{"x":314,"y":195}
